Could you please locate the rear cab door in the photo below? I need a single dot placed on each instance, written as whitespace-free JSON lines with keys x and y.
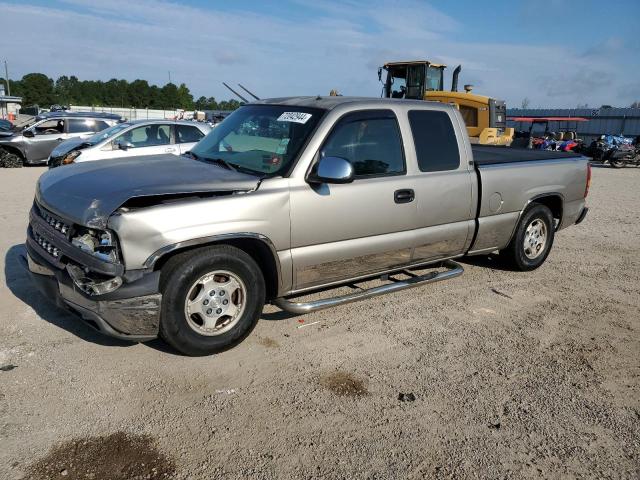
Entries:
{"x":444,"y":183}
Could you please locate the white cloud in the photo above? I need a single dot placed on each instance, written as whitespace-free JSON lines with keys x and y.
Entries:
{"x":339,"y":46}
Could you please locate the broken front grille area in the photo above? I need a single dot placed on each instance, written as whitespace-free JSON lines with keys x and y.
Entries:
{"x":47,"y":246}
{"x":48,"y":233}
{"x":45,"y":234}
{"x":54,"y":221}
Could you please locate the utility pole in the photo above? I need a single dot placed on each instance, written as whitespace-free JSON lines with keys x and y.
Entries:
{"x":6,"y":78}
{"x":169,"y":76}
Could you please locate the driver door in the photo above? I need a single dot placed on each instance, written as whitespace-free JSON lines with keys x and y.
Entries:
{"x":47,"y":135}
{"x":342,"y":231}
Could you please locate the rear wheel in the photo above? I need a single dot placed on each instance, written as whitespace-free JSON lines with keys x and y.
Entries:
{"x":617,"y":162}
{"x":532,"y":240}
{"x":211,"y":299}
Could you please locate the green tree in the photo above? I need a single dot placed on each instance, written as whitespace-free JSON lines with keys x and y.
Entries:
{"x":66,"y":90}
{"x":185,"y":99}
{"x":169,"y":96}
{"x":37,"y":88}
{"x":139,"y":94}
{"x":201,"y":103}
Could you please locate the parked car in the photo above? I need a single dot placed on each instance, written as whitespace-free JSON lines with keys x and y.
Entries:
{"x":318,"y":192}
{"x":34,"y":142}
{"x":131,"y":139}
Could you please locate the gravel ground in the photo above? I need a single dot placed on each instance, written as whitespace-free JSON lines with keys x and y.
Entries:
{"x":494,"y":374}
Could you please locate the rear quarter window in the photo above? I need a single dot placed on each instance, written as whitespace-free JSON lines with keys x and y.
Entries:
{"x":435,"y":140}
{"x":188,"y":134}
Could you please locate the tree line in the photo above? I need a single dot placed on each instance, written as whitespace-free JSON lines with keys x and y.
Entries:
{"x":38,"y":89}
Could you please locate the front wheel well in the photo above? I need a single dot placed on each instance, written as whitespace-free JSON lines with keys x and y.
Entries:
{"x":13,"y":150}
{"x":259,"y":250}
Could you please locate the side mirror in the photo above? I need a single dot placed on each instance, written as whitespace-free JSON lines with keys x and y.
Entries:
{"x":332,"y":170}
{"x":28,"y":134}
{"x":122,"y":145}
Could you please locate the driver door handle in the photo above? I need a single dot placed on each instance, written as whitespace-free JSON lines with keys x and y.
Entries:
{"x":404,"y":196}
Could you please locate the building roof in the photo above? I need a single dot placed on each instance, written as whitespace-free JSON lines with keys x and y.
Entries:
{"x":10,"y":99}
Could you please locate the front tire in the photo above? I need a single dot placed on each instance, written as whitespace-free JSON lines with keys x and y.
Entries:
{"x":10,"y":160}
{"x":212,"y":298}
{"x":532,"y":240}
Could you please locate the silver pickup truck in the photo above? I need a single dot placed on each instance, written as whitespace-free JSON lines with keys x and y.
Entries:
{"x":285,"y":197}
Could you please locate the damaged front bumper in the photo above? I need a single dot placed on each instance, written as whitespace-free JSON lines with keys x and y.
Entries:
{"x":132,"y":312}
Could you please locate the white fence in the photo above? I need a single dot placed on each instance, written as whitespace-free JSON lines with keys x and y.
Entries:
{"x":135,"y":113}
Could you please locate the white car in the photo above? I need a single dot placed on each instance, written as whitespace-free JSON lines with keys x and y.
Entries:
{"x":131,"y":139}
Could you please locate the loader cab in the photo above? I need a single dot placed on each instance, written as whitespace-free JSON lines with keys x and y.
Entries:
{"x":411,"y":80}
{"x":484,"y":117}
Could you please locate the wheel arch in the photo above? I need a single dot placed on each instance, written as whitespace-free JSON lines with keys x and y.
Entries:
{"x":13,"y":149}
{"x":554,"y":201}
{"x":259,"y":247}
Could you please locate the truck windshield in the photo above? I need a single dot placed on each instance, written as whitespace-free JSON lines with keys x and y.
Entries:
{"x":106,"y":133}
{"x":261,"y":139}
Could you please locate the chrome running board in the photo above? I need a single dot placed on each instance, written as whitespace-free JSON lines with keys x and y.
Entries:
{"x":454,"y":270}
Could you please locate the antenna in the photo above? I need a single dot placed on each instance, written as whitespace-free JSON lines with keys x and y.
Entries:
{"x":246,"y":90}
{"x":236,"y":93}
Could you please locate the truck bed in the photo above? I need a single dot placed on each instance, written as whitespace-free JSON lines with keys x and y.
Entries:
{"x":489,"y":155}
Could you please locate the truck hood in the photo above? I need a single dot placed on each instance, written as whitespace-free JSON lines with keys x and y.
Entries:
{"x":88,"y":193}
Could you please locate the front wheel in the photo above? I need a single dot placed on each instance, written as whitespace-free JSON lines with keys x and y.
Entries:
{"x":532,"y":240}
{"x":10,"y":160}
{"x":211,"y":299}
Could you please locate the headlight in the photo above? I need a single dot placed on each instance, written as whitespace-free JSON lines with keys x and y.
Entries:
{"x":101,"y":244}
{"x":70,"y":157}
{"x":93,"y":284}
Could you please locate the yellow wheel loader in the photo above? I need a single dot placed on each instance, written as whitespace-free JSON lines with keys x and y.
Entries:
{"x":485,"y":117}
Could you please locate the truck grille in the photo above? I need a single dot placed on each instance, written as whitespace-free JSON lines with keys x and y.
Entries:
{"x":46,"y":245}
{"x":55,"y":222}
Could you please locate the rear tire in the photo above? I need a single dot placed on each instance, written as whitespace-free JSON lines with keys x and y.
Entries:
{"x":532,"y":241}
{"x":212,"y":298}
{"x":617,"y":163}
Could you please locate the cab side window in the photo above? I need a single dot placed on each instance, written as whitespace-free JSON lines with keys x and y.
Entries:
{"x":188,"y":134}
{"x":146,"y":136}
{"x":85,"y":125}
{"x":50,"y":127}
{"x":435,"y":140}
{"x":370,"y":140}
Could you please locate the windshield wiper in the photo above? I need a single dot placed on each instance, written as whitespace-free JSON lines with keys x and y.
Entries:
{"x":224,"y":163}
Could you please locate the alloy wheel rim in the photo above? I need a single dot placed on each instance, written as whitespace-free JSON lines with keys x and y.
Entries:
{"x":535,"y":239}
{"x":215,"y":303}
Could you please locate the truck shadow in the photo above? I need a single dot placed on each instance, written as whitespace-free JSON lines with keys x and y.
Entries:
{"x":485,"y":261}
{"x":19,"y":283}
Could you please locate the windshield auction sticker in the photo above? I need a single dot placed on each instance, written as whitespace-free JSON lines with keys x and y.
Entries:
{"x":296,"y":117}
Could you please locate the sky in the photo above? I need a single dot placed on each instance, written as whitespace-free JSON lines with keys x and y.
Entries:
{"x":556,"y":53}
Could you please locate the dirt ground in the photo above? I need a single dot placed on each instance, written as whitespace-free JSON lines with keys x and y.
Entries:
{"x":494,"y":374}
